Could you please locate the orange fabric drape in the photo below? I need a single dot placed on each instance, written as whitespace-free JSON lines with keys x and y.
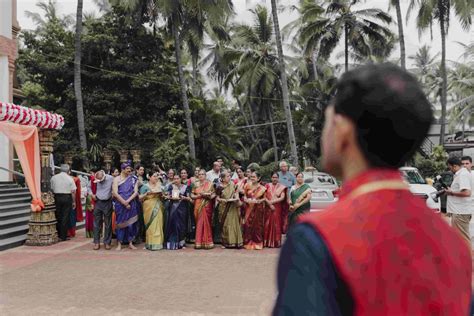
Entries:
{"x":26,"y":142}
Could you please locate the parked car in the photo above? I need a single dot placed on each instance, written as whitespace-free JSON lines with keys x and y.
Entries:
{"x":324,"y":187}
{"x":419,"y":187}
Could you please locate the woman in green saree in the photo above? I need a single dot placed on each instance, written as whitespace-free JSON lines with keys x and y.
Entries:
{"x":151,"y":196}
{"x":229,"y":212}
{"x":299,"y":199}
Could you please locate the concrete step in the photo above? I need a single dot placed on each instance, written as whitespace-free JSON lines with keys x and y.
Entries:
{"x":14,"y":207}
{"x":15,"y":200}
{"x":13,"y":190}
{"x":14,"y":214}
{"x":13,"y":231}
{"x":12,"y":242}
{"x":7,"y":186}
{"x":12,"y":195}
{"x":17,"y":221}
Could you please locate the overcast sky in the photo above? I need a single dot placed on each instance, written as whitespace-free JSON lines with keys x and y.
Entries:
{"x":412,"y":41}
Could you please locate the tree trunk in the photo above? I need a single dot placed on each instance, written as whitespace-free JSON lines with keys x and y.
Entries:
{"x":77,"y":78}
{"x":314,"y":59}
{"x":184,"y":96}
{"x":272,"y":131}
{"x":195,"y":76}
{"x":284,"y":87}
{"x":401,"y":37}
{"x":444,"y":84}
{"x":346,"y":48}
{"x":242,"y":111}
{"x":252,"y":120}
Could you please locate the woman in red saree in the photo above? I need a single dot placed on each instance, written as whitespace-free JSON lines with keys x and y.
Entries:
{"x":274,"y":197}
{"x":254,"y":213}
{"x":203,"y":194}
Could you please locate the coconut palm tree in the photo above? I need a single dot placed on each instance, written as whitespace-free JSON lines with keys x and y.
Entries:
{"x":253,"y":51}
{"x":284,"y":86}
{"x":440,"y":10}
{"x":175,"y":13}
{"x":356,"y":27}
{"x":77,"y":77}
{"x":401,"y":37}
{"x":221,"y":61}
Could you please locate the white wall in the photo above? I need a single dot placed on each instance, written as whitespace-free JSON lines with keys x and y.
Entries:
{"x":4,"y":95}
{"x":6,"y":18}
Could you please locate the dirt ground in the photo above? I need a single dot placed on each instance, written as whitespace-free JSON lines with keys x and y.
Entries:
{"x":71,"y":278}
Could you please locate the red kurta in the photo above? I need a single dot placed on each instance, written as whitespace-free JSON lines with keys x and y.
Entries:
{"x":396,"y":256}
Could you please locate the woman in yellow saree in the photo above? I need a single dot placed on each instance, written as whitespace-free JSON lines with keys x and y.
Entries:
{"x":151,"y":196}
{"x":229,"y":212}
{"x":203,"y":194}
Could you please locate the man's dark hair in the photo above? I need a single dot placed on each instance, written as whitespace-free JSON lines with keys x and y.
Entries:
{"x":391,"y":113}
{"x":466,"y":158}
{"x":454,"y":161}
{"x":237,"y":162}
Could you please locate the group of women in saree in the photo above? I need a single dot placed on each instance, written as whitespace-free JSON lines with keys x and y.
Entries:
{"x":239,"y":213}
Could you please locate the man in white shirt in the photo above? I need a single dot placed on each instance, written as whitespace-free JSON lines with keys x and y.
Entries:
{"x":64,"y":189}
{"x":215,"y":173}
{"x":459,"y":202}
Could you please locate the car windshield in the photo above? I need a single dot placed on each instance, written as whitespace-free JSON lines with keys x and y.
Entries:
{"x":413,"y":177}
{"x":319,"y":179}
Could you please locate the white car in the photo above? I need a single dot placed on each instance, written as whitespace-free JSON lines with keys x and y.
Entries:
{"x":419,"y":187}
{"x":324,"y":188}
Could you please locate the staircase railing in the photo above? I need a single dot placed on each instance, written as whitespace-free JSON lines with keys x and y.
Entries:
{"x":426,"y":147}
{"x":13,"y":172}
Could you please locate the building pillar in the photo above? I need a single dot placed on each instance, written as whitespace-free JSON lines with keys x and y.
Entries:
{"x":42,"y":231}
{"x":123,"y":155}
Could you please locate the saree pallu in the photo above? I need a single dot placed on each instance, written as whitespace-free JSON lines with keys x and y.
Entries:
{"x":272,"y":227}
{"x":176,"y":221}
{"x":254,"y":219}
{"x":229,"y":219}
{"x":76,"y":214}
{"x":126,"y":219}
{"x":90,"y":204}
{"x":89,"y":217}
{"x":153,"y":217}
{"x":203,"y":209}
{"x":295,"y":195}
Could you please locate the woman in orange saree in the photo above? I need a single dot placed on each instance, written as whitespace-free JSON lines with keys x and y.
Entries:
{"x":274,"y":197}
{"x":254,"y":213}
{"x":203,"y":194}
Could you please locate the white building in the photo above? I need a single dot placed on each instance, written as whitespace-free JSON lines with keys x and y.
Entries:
{"x":9,"y":29}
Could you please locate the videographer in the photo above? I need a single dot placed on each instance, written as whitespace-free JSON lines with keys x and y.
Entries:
{"x":459,"y":202}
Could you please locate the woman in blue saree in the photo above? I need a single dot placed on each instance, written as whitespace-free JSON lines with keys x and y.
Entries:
{"x":177,"y":215}
{"x":125,"y":192}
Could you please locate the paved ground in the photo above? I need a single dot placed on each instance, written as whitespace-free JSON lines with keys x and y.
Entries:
{"x":72,"y":278}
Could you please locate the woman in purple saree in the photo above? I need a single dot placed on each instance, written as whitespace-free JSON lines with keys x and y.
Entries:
{"x":125,"y":191}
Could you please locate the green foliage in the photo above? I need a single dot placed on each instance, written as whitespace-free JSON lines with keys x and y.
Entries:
{"x":130,"y":90}
{"x":434,"y":165}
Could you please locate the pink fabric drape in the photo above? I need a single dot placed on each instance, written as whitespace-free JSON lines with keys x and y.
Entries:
{"x":26,"y":142}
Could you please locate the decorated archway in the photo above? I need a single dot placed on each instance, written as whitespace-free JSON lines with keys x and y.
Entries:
{"x":20,"y":124}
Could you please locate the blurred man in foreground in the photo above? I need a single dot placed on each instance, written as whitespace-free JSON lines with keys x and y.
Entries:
{"x":379,"y":250}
